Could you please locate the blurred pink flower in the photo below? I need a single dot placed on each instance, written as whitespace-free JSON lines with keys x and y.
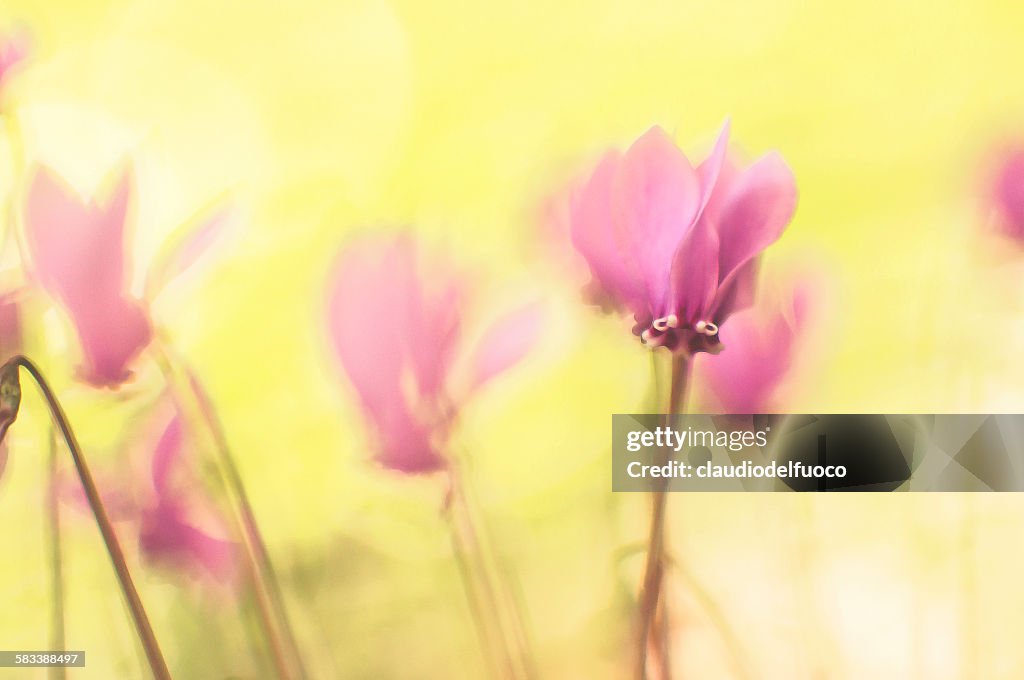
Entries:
{"x":396,"y":325}
{"x":14,"y":49}
{"x":677,"y":245}
{"x":79,"y":254}
{"x":1008,"y":193}
{"x":763,"y":344}
{"x":79,"y":250}
{"x":165,"y":508}
{"x":167,"y":534}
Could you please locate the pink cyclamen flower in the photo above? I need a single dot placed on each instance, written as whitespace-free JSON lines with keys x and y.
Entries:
{"x":79,"y":254}
{"x":764,"y":344}
{"x":177,"y":525}
{"x":1008,"y":193}
{"x":168,"y":534}
{"x":79,"y":250}
{"x":676,"y":245}
{"x":396,"y":320}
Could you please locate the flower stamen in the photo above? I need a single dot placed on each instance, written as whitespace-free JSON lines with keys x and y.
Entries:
{"x":706,"y":328}
{"x":666,"y":322}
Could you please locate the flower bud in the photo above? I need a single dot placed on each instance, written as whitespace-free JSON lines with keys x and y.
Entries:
{"x":10,"y":396}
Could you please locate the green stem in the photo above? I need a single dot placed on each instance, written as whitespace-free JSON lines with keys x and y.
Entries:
{"x":266,"y":586}
{"x":490,"y":638}
{"x":57,"y":636}
{"x":649,"y":627}
{"x":510,"y":602}
{"x":499,"y":619}
{"x":142,"y":626}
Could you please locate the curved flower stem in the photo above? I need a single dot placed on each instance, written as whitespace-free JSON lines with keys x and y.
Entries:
{"x":489,"y":637}
{"x":650,"y":626}
{"x":505,"y":585}
{"x":267,"y":592}
{"x":496,"y":611}
{"x":738,"y":656}
{"x":142,"y":626}
{"x":263,"y":573}
{"x":57,"y":637}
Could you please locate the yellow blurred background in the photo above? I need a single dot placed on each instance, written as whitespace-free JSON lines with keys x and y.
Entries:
{"x":324,"y":119}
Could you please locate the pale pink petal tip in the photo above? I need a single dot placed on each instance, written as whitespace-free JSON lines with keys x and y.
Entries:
{"x":506,"y":342}
{"x":186,"y":247}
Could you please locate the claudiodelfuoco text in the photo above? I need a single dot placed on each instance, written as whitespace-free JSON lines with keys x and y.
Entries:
{"x":671,"y":439}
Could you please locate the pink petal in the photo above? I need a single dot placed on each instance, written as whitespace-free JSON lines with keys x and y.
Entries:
{"x":1009,"y":193}
{"x":166,"y":537}
{"x":13,"y":50}
{"x":505,"y":343}
{"x":187,"y":247}
{"x":68,"y":241}
{"x":695,"y":275}
{"x":394,"y":340}
{"x":374,"y":299}
{"x":736,"y":292}
{"x":760,"y":204}
{"x":78,"y":252}
{"x":364,"y":316}
{"x":711,"y":168}
{"x":656,"y":198}
{"x":406,"y":444}
{"x":166,"y":453}
{"x":596,"y":237}
{"x":746,"y":374}
{"x":432,"y":320}
{"x":760,"y":350}
{"x":112,"y":334}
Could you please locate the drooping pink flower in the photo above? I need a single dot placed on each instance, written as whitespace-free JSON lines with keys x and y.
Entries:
{"x":764,"y":345}
{"x":1008,"y":193}
{"x":176,"y":523}
{"x":78,"y":250}
{"x":168,"y":534}
{"x":396,"y":322}
{"x":676,"y":245}
{"x":13,"y":50}
{"x":78,"y":247}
